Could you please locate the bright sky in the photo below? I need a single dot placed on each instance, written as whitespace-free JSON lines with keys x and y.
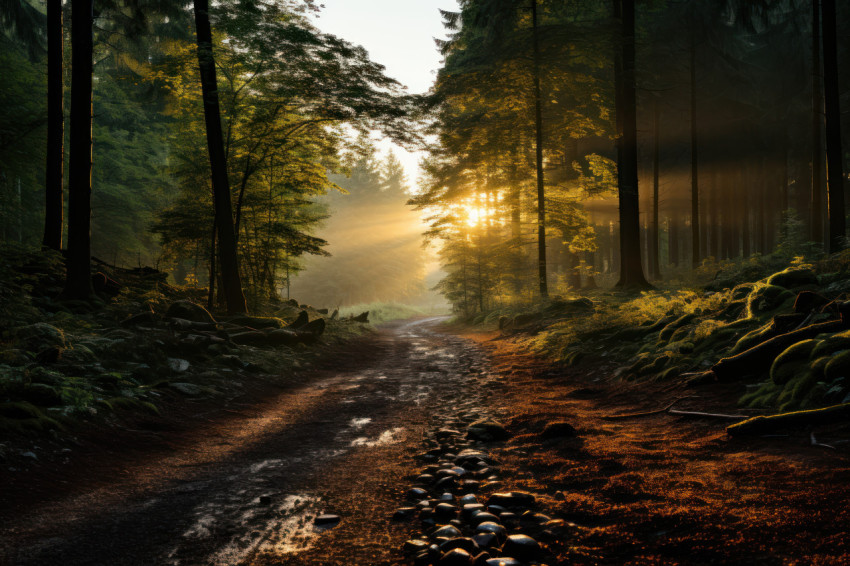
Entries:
{"x":398,"y":34}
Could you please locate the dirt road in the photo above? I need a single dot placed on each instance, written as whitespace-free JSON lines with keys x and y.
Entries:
{"x":243,"y":484}
{"x":246,"y":490}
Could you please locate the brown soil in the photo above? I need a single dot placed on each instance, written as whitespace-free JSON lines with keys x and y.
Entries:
{"x":666,"y":489}
{"x":187,"y":488}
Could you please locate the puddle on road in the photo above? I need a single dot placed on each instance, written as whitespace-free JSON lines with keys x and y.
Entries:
{"x":282,"y":528}
{"x":359,"y":423}
{"x":391,"y":436}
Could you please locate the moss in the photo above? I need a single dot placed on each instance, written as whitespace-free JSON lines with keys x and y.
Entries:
{"x":792,"y":362}
{"x":831,"y":345}
{"x":838,"y":366}
{"x":767,"y":299}
{"x":752,"y":338}
{"x":669,"y":329}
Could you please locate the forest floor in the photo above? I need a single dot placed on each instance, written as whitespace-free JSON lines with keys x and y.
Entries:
{"x":241,"y":483}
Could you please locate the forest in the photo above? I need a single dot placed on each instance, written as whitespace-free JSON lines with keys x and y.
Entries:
{"x":605,"y":321}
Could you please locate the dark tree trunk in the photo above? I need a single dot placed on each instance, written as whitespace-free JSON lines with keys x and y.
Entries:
{"x":541,"y":196}
{"x":78,"y":279}
{"x":673,"y":241}
{"x":834,"y":166}
{"x":816,"y":220}
{"x":53,"y":190}
{"x":631,"y":268}
{"x":654,"y":251}
{"x":746,"y":232}
{"x":231,"y":283}
{"x":695,"y":212}
{"x":213,"y":270}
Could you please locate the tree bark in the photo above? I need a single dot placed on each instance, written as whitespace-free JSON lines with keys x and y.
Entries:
{"x":834,"y":166}
{"x":816,"y":219}
{"x":228,"y":258}
{"x":541,"y":193}
{"x":654,"y":268}
{"x":53,"y":175}
{"x":695,"y":212}
{"x":631,"y":267}
{"x":78,"y":273}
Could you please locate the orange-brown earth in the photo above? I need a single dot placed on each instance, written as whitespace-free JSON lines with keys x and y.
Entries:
{"x":206,"y":484}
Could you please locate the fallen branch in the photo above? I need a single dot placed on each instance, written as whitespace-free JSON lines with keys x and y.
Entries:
{"x":647,"y":413}
{"x":815,"y":442}
{"x":701,"y":415}
{"x":796,"y":419}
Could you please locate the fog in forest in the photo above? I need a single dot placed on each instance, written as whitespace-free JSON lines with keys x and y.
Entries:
{"x":375,"y":252}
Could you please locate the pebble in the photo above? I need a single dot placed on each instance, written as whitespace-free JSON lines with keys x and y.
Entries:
{"x":404,"y":513}
{"x":483,"y":517}
{"x":464,"y":543}
{"x":491,"y":527}
{"x":521,"y":546}
{"x":416,"y":494}
{"x":445,"y":511}
{"x":486,"y":540}
{"x":447,"y":531}
{"x":326,"y":520}
{"x":413,"y":546}
{"x":503,"y":561}
{"x":512,"y":499}
{"x":456,"y":557}
{"x":558,"y":429}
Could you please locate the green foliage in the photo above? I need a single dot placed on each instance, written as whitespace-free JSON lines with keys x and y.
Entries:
{"x":382,"y":312}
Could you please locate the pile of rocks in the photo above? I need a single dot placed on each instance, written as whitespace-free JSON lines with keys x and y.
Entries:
{"x":465,"y":519}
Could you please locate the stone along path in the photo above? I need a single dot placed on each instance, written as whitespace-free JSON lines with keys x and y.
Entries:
{"x":315,"y":476}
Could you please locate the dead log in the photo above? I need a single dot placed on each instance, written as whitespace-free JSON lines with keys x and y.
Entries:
{"x":644,"y":414}
{"x":757,"y":359}
{"x":702,"y":415}
{"x":302,"y":319}
{"x":793,"y":420}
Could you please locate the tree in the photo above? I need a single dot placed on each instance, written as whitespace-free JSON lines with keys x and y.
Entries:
{"x":53,"y":189}
{"x":78,"y":283}
{"x":631,"y":267}
{"x":834,"y":157}
{"x":229,"y":262}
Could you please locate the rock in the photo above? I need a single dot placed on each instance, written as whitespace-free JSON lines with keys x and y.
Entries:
{"x":503,"y":561}
{"x":511,"y":499}
{"x":36,"y":337}
{"x":794,"y":277}
{"x":312,"y":329}
{"x":362,"y":317}
{"x":456,"y":557}
{"x":335,"y":314}
{"x":178,"y":365}
{"x":425,"y":479}
{"x":189,"y":311}
{"x":292,"y":303}
{"x":486,"y":540}
{"x":326,"y":520}
{"x":302,"y":319}
{"x":322,"y":311}
{"x":491,"y":527}
{"x":416,"y":494}
{"x":483,"y":517}
{"x":414,"y":546}
{"x":187,"y":388}
{"x":445,"y":433}
{"x":404,"y":514}
{"x":466,"y":544}
{"x":446,"y":531}
{"x":487,"y":430}
{"x":469,"y":498}
{"x":522,"y":547}
{"x":525,"y":318}
{"x":265,"y":500}
{"x":445,"y":511}
{"x":250,"y":338}
{"x":558,"y":429}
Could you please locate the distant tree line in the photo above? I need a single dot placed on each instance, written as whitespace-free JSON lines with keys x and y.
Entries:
{"x":588,"y":140}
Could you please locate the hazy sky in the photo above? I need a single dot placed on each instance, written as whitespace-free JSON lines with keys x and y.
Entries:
{"x":399,"y":34}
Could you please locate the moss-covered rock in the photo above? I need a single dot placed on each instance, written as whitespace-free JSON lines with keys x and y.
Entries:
{"x":769,"y":298}
{"x":838,"y":366}
{"x":752,"y":338}
{"x":793,"y":278}
{"x":793,"y":362}
{"x":669,"y":329}
{"x":38,"y":336}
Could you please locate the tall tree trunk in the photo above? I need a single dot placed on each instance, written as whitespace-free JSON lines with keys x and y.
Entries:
{"x":53,"y":175}
{"x":834,"y":166}
{"x":78,"y":278}
{"x":541,"y":194}
{"x":746,"y":231}
{"x":672,"y":241}
{"x":228,"y":257}
{"x":816,"y":221}
{"x":695,"y":212}
{"x":213,"y":270}
{"x":654,"y":252}
{"x":631,"y":268}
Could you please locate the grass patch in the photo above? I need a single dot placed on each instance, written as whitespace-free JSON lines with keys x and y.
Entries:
{"x":382,"y":312}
